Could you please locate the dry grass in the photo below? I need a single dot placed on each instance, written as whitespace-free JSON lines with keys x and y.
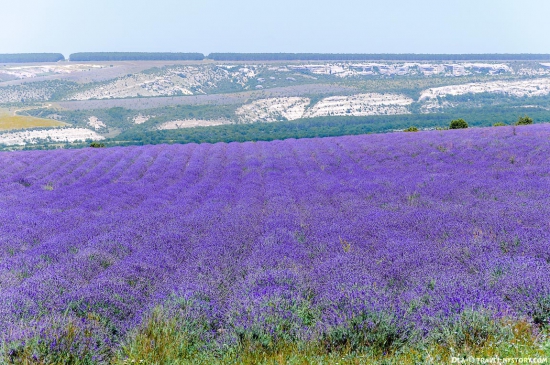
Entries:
{"x":169,"y":341}
{"x":162,"y":342}
{"x":9,"y":121}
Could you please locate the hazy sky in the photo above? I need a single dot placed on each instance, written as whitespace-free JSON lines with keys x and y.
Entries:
{"x":342,"y":26}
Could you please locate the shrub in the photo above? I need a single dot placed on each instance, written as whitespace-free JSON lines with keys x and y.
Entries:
{"x":378,"y":332}
{"x":472,"y":329}
{"x":541,"y":311}
{"x":499,"y":124}
{"x":525,"y":120}
{"x":411,"y":129}
{"x":59,"y":340}
{"x":97,"y":145}
{"x":458,"y":124}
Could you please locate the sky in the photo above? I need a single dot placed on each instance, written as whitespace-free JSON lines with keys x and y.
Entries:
{"x":320,"y":26}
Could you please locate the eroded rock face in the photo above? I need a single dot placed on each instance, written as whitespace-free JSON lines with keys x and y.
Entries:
{"x":361,"y":105}
{"x":536,"y":87}
{"x":95,"y":123}
{"x":273,"y":109}
{"x":291,"y":108}
{"x":190,"y":123}
{"x":140,"y":119}
{"x":169,"y":81}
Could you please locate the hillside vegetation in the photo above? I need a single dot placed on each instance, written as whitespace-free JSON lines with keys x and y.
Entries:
{"x":172,"y":99}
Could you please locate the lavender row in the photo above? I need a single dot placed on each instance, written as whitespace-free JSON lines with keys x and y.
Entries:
{"x":423,"y":226}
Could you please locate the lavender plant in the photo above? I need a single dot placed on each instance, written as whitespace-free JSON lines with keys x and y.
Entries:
{"x":359,"y":243}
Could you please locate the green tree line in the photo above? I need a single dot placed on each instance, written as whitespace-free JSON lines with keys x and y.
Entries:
{"x":169,"y":56}
{"x":31,"y":57}
{"x":322,"y":127}
{"x":135,"y":56}
{"x":375,"y":57}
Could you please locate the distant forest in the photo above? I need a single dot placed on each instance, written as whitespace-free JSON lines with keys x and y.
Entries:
{"x":31,"y":57}
{"x":135,"y":56}
{"x":374,"y":57}
{"x":167,"y":56}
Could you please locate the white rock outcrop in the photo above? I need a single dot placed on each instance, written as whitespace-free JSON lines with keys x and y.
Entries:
{"x":95,"y":123}
{"x":534,"y":87}
{"x":360,"y":105}
{"x":140,"y":119}
{"x":53,"y":135}
{"x":273,"y":109}
{"x":190,"y":123}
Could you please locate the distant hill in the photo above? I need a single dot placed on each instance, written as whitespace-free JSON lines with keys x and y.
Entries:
{"x":135,"y":56}
{"x":374,"y":57}
{"x":31,"y":57}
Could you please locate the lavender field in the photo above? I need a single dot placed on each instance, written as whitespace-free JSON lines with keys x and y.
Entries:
{"x":351,"y":242}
